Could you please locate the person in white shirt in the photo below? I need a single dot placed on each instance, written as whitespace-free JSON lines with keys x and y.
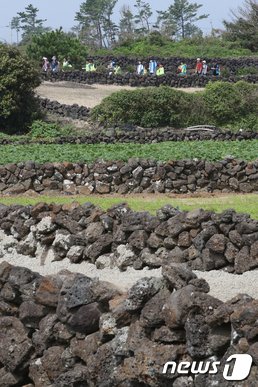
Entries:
{"x":140,"y":68}
{"x":204,"y":68}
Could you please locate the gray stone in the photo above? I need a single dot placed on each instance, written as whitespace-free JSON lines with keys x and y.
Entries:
{"x":141,"y":292}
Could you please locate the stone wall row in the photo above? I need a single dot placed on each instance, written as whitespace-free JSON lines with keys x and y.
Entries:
{"x":132,"y":176}
{"x":172,"y":63}
{"x":127,"y":133}
{"x":71,"y":330}
{"x":120,"y":237}
{"x":74,"y":111}
{"x":134,"y":80}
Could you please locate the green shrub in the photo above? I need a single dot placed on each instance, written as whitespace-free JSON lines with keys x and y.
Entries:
{"x":228,"y":103}
{"x":222,"y":104}
{"x":18,"y":106}
{"x":150,"y":107}
{"x":221,"y":99}
{"x":41,"y":129}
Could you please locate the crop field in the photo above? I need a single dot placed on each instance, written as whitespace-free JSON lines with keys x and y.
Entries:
{"x":204,"y":150}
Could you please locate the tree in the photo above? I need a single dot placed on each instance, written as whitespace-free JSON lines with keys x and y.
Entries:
{"x":179,"y":19}
{"x":142,"y":18}
{"x":109,"y":27}
{"x":94,"y":17}
{"x":58,"y":43}
{"x":244,"y":26}
{"x":18,"y":105}
{"x":15,"y":25}
{"x":126,"y":25}
{"x":29,"y":23}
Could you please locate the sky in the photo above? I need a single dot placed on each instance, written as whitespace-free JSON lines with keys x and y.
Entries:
{"x":62,"y":12}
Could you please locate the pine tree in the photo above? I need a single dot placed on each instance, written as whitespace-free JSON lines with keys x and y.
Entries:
{"x":244,"y":26}
{"x":178,"y":21}
{"x":29,"y":23}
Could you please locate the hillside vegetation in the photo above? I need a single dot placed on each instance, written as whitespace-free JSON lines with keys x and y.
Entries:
{"x":157,"y":45}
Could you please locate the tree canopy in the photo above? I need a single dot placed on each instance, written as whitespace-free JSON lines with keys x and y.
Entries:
{"x":95,"y":21}
{"x":28,"y":22}
{"x":244,"y":25}
{"x":180,"y":18}
{"x":58,"y":43}
{"x":17,"y":82}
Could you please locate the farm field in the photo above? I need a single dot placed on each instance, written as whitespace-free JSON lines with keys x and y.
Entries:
{"x":204,"y":150}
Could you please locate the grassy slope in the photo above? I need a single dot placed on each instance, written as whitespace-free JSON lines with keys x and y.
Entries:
{"x":241,"y":203}
{"x":207,"y":47}
{"x":205,"y":150}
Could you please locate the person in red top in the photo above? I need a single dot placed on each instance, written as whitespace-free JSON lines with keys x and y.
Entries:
{"x":198,"y":68}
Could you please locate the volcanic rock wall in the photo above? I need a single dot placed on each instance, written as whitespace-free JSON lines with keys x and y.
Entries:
{"x":121,"y":237}
{"x":70,"y":330}
{"x":172,"y":63}
{"x":72,"y":111}
{"x":134,"y":175}
{"x":134,"y":80}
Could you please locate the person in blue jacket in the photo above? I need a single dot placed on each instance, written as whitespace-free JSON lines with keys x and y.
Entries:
{"x":153,"y":67}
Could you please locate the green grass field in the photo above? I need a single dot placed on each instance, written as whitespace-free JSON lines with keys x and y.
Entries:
{"x":205,"y":150}
{"x":241,"y":203}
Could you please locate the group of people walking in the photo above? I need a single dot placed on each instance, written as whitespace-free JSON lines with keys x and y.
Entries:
{"x":153,"y":68}
{"x":54,"y":64}
{"x":203,"y":69}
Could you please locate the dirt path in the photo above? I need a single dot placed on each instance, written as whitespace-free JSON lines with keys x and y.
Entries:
{"x":86,"y":95}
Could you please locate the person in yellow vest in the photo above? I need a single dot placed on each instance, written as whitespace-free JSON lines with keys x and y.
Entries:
{"x":117,"y":70}
{"x":89,"y":67}
{"x":92,"y":67}
{"x":145,"y":70}
{"x":66,"y":64}
{"x":160,"y":70}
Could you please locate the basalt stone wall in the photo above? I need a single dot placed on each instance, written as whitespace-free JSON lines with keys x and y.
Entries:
{"x":172,"y":63}
{"x":134,"y":80}
{"x":71,"y":330}
{"x":72,"y":111}
{"x":132,"y":176}
{"x":129,"y":133}
{"x":121,"y":237}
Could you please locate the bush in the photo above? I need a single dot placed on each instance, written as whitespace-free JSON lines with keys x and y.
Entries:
{"x":151,"y":107}
{"x":222,"y":104}
{"x":221,"y":99}
{"x":41,"y":129}
{"x":18,"y":105}
{"x":229,"y":103}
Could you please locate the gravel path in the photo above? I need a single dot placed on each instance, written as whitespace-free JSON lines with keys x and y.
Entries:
{"x":223,"y":285}
{"x":85,"y":95}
